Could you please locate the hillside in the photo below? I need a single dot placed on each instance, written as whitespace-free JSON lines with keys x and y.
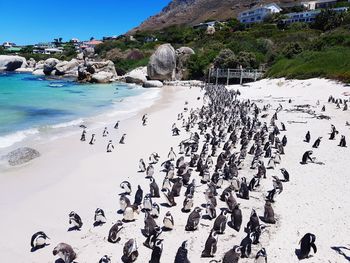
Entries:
{"x":191,"y":12}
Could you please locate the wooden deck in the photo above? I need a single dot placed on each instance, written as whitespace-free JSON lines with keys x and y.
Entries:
{"x":235,"y":74}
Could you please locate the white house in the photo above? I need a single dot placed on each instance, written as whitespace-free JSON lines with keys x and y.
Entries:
{"x":308,"y":16}
{"x":258,"y":14}
{"x":8,"y":44}
{"x":319,"y":4}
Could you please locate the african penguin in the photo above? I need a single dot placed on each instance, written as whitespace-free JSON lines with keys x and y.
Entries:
{"x":210,"y":246}
{"x":182,"y":254}
{"x":38,"y":240}
{"x":65,"y":252}
{"x":130,"y":252}
{"x":75,"y":220}
{"x":306,"y":243}
{"x":114,"y":232}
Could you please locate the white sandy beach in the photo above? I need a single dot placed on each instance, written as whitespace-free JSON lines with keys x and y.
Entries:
{"x":75,"y":176}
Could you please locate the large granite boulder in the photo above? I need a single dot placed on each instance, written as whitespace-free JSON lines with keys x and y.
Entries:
{"x":31,"y":63}
{"x":88,"y":52}
{"x":137,"y":76}
{"x":152,"y":84}
{"x":67,"y":68}
{"x":102,"y":77}
{"x":162,"y":63}
{"x":50,"y":65}
{"x":89,"y":72}
{"x":182,"y":56}
{"x":11,"y":63}
{"x":21,"y":156}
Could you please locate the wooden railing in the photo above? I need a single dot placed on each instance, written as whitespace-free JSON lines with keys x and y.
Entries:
{"x":251,"y":74}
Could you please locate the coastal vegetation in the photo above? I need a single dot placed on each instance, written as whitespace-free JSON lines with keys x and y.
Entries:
{"x":299,"y":50}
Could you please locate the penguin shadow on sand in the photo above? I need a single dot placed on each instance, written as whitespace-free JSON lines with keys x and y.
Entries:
{"x":73,"y":228}
{"x":340,"y":250}
{"x":60,"y":260}
{"x":98,"y":223}
{"x":33,"y":249}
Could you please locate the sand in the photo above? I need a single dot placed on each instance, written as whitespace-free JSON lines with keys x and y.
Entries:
{"x":75,"y":176}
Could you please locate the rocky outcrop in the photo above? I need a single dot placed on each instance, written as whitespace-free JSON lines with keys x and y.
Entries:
{"x":182,"y":56}
{"x":11,"y":63}
{"x":152,"y":84}
{"x":162,"y":63}
{"x":137,"y":76}
{"x":21,"y":156}
{"x":50,"y":66}
{"x":31,"y":63}
{"x":102,"y":77}
{"x":97,"y":72}
{"x":67,"y":68}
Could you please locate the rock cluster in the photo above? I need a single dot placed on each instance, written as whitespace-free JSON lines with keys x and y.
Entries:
{"x":21,"y":155}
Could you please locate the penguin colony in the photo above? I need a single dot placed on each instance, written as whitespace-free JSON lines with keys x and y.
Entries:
{"x":227,"y":135}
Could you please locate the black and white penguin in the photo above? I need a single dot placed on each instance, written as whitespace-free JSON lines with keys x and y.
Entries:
{"x":38,"y":240}
{"x":126,"y":186}
{"x":171,"y":154}
{"x":317,"y":142}
{"x":269,"y":214}
{"x":168,"y":221}
{"x":122,"y":139}
{"x":92,"y":140}
{"x":243,"y":190}
{"x":114,"y":232}
{"x":147,"y":202}
{"x":233,"y":255}
{"x":153,"y":188}
{"x":285,"y":174}
{"x":142,"y":166}
{"x":193,"y":219}
{"x":99,"y":218}
{"x":83,"y":136}
{"x":187,"y":204}
{"x":65,"y":252}
{"x":177,"y":187}
{"x":150,"y":224}
{"x":130,"y":213}
{"x":307,"y":137}
{"x":124,"y":202}
{"x":210,"y":246}
{"x":271,"y":164}
{"x":166,"y":184}
{"x":307,"y":157}
{"x":306,"y":243}
{"x":236,"y":218}
{"x":75,"y":220}
{"x":182,"y":254}
{"x":110,"y":146}
{"x":342,"y":142}
{"x":155,"y":210}
{"x":261,"y":256}
{"x":246,"y":245}
{"x":154,"y":158}
{"x":105,"y":132}
{"x":220,"y":222}
{"x":138,"y":196}
{"x":130,"y":252}
{"x":116,"y":126}
{"x":157,"y":251}
{"x":230,"y":201}
{"x":210,"y":210}
{"x":105,"y":259}
{"x":253,"y":221}
{"x":153,"y":237}
{"x":254,"y":183}
{"x":169,"y":197}
{"x":149,"y":171}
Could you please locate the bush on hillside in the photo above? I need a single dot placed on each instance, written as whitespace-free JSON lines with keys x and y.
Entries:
{"x":246,"y":60}
{"x":225,"y":59}
{"x":327,"y":20}
{"x":292,"y":49}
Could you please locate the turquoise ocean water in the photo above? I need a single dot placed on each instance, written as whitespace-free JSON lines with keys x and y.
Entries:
{"x":30,"y":103}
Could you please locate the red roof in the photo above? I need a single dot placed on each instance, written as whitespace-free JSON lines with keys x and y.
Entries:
{"x":94,"y":42}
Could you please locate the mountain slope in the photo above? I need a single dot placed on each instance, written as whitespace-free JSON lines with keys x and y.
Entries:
{"x":191,"y":12}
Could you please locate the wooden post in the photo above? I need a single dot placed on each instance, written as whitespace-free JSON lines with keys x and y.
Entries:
{"x":228,"y":77}
{"x":217,"y":75}
{"x":209,"y":75}
{"x":241,"y":77}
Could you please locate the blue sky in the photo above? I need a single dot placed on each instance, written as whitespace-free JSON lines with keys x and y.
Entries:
{"x":32,"y":21}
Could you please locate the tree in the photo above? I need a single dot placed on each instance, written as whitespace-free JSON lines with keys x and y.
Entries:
{"x":225,"y":59}
{"x":246,"y":60}
{"x":292,"y":49}
{"x":327,"y":20}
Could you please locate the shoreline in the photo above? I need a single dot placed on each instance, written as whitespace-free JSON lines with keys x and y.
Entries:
{"x":122,"y":109}
{"x":74,"y":176}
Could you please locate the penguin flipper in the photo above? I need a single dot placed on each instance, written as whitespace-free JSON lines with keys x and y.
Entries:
{"x":314,"y":247}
